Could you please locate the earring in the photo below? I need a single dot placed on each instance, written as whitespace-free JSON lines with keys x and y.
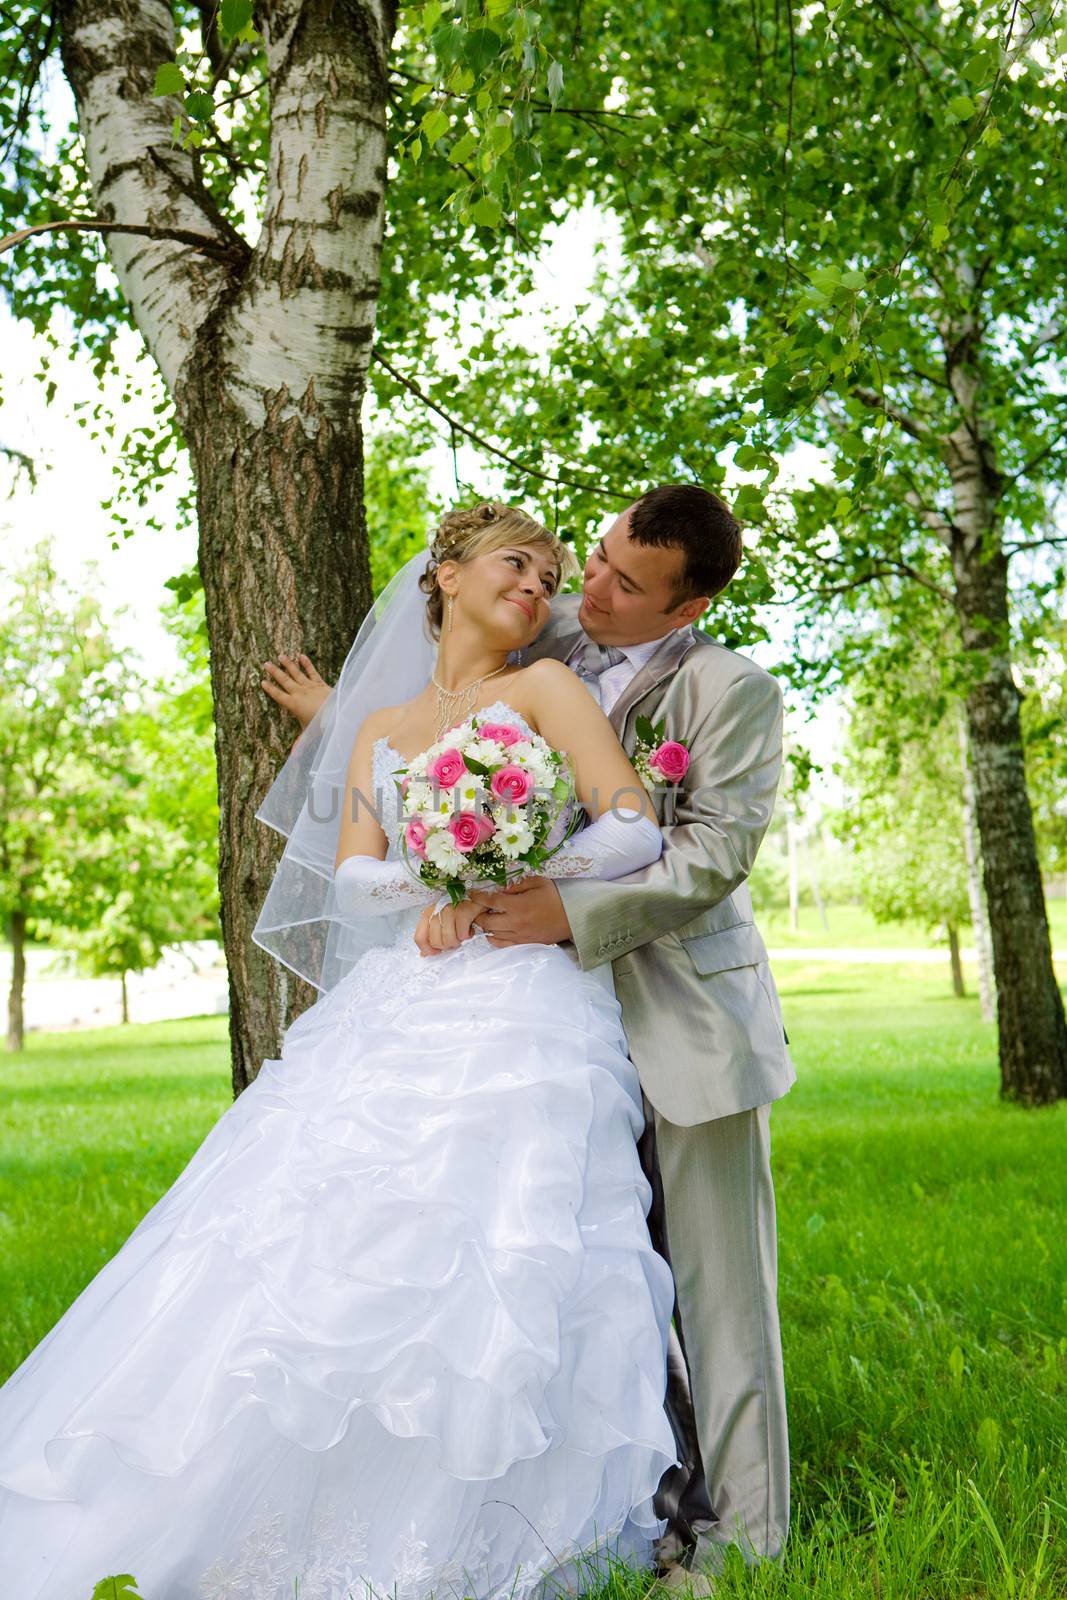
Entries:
{"x":451,"y":604}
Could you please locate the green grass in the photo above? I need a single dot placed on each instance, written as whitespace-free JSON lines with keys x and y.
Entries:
{"x":923,"y":1261}
{"x":853,"y":927}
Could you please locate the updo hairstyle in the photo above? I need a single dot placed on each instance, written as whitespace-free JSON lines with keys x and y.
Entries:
{"x":472,"y":531}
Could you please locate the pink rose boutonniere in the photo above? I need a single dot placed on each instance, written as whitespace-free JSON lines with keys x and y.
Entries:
{"x":659,"y":761}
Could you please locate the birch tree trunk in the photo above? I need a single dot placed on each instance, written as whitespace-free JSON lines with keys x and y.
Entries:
{"x":958,"y":988}
{"x":1030,"y":1018}
{"x":975,"y":888}
{"x":265,"y":350}
{"x":15,"y":1029}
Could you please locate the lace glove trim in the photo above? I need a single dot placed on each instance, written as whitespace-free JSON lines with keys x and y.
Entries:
{"x":364,"y":886}
{"x":618,"y":842}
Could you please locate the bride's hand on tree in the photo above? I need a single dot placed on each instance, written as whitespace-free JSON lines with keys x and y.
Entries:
{"x":295,"y":684}
{"x":445,"y":929}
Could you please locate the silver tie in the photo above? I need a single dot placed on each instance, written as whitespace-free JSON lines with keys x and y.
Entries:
{"x":592,"y":661}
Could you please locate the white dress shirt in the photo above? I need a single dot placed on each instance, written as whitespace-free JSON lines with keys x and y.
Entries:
{"x":616,"y":679}
{"x":611,"y":685}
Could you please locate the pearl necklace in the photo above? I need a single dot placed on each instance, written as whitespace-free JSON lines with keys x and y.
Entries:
{"x":453,"y":705}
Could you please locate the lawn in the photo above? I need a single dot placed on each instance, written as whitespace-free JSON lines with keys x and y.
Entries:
{"x":851,"y":927}
{"x":922,"y":1253}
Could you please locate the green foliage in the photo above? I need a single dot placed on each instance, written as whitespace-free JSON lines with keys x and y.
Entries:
{"x":904,"y":815}
{"x":65,"y":781}
{"x":487,"y":75}
{"x":109,"y":825}
{"x":1043,"y":663}
{"x":400,"y":507}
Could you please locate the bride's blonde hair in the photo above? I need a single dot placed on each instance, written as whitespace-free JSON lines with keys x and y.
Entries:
{"x":471,"y":531}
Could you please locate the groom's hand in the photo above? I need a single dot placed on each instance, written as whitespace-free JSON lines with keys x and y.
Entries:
{"x":295,"y":684}
{"x":527,"y":912}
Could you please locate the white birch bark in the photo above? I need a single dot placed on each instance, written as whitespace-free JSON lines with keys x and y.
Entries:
{"x":299,"y":335}
{"x":110,"y":53}
{"x":975,"y":887}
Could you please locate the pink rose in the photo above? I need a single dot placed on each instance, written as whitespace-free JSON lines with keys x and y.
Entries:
{"x":512,"y":784}
{"x":486,"y":824}
{"x":446,"y":769}
{"x":415,"y":834}
{"x":504,"y":733}
{"x":470,"y":830}
{"x":671,"y":760}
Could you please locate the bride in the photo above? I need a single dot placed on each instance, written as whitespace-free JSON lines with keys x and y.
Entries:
{"x":398,"y":1327}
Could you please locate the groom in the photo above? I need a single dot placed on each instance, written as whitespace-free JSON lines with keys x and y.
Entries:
{"x":698,"y":1001}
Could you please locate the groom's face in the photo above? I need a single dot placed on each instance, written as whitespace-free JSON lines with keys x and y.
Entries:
{"x":628,"y":589}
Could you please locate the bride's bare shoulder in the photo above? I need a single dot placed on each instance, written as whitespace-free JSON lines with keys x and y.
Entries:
{"x":548,"y":671}
{"x":550,"y":677}
{"x":380,"y":722}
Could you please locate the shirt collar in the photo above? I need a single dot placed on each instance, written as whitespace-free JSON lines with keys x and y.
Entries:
{"x":638,"y":654}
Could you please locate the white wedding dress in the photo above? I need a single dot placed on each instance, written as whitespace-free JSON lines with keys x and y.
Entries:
{"x":398,"y":1325}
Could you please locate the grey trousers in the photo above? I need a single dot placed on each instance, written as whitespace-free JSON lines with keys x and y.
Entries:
{"x":712,"y":1217}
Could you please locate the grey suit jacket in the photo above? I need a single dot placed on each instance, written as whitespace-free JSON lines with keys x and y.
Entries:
{"x":699,"y":1003}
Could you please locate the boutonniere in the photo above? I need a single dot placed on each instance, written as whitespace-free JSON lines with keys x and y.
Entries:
{"x":658,"y":760}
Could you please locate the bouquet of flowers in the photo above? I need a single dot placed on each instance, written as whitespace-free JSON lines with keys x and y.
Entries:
{"x":482,"y":806}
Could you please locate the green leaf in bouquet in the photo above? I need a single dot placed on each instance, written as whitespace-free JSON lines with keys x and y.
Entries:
{"x":122,"y":1587}
{"x":457,"y":890}
{"x":645,"y":731}
{"x":477,"y":767}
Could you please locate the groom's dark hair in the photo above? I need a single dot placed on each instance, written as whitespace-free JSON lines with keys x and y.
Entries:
{"x":685,"y":517}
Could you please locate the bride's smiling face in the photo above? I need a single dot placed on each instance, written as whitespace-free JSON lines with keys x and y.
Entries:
{"x":506,"y":592}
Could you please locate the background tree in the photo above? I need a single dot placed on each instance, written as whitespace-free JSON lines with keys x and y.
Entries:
{"x":904,"y":821}
{"x":263,"y":348}
{"x":852,"y":235}
{"x":134,"y":899}
{"x":64,"y":778}
{"x":153,"y":880}
{"x":400,"y":506}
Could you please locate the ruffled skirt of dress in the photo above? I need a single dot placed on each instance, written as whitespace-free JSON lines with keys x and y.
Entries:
{"x":398,"y":1325}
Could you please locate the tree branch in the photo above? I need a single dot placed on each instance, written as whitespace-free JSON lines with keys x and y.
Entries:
{"x":1033,"y":544}
{"x":492,"y":449}
{"x":1035,"y":461}
{"x":146,"y":230}
{"x":878,"y":402}
{"x":930,"y":515}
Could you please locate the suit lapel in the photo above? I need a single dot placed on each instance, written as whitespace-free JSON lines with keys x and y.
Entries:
{"x":674,"y":649}
{"x":563,"y":632}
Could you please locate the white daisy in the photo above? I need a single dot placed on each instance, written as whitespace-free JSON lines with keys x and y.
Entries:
{"x":442,"y":852}
{"x":513,"y":838}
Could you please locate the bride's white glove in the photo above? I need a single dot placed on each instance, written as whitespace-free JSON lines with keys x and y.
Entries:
{"x":365,"y":886}
{"x":618,"y":842}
